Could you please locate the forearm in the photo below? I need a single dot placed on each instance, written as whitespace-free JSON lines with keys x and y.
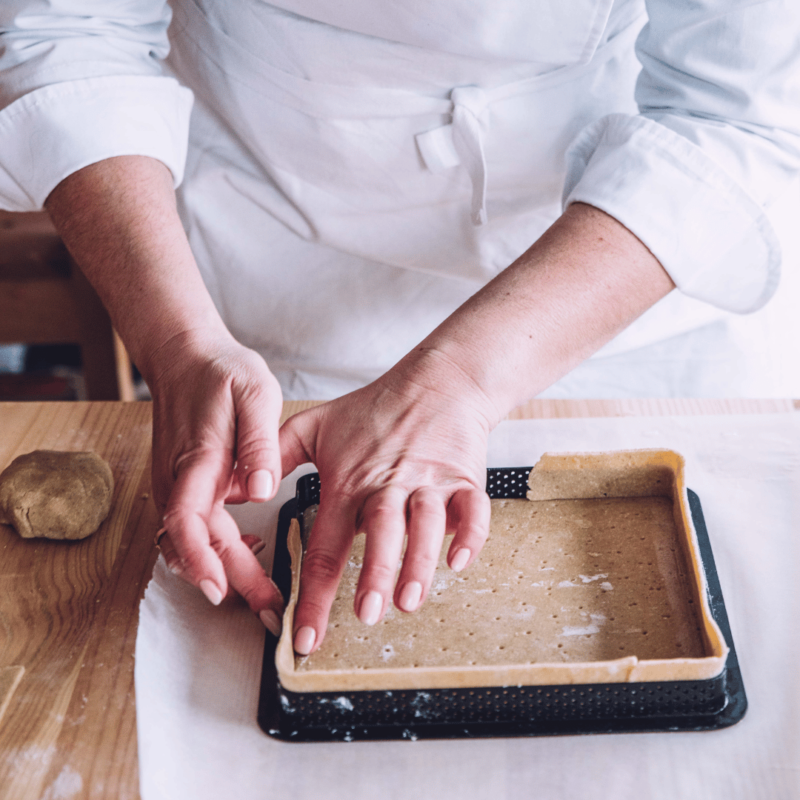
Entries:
{"x":577,"y":287}
{"x":119,"y":220}
{"x":216,"y":405}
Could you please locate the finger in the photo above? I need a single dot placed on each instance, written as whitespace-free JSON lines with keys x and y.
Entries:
{"x":384,"y":525}
{"x":255,"y":544}
{"x":297,"y":437}
{"x":187,"y":516}
{"x":176,"y":566}
{"x":171,"y":557}
{"x":258,"y":458}
{"x":237,"y":494}
{"x":257,"y":588}
{"x":426,"y":526}
{"x":469,"y":511}
{"x":244,"y":572}
{"x":323,"y":562}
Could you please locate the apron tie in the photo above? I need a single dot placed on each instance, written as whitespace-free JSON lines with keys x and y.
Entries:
{"x":461,"y":142}
{"x":469,"y":104}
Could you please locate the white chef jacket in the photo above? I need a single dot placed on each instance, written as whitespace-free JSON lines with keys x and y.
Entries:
{"x":355,"y":171}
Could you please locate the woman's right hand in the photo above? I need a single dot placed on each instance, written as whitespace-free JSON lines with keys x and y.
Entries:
{"x":216,"y":405}
{"x":216,"y":408}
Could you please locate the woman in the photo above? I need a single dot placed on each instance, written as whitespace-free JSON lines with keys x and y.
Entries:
{"x":371,"y":205}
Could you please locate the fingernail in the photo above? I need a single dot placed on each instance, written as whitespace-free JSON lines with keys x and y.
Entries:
{"x":258,"y":547}
{"x":175,"y":567}
{"x":270,"y":620}
{"x":410,"y":595}
{"x":304,"y":640}
{"x":259,"y":485}
{"x":460,"y":559}
{"x":210,"y":590}
{"x":370,"y":609}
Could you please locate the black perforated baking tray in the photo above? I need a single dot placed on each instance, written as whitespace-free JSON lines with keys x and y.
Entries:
{"x":498,"y":711}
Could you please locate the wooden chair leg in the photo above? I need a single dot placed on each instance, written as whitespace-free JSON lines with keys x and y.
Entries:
{"x":127,"y":391}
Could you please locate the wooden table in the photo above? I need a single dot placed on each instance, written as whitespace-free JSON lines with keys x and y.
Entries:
{"x":68,"y":613}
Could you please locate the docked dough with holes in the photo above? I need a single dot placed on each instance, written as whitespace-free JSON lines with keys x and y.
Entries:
{"x":595,"y":578}
{"x":56,"y":495}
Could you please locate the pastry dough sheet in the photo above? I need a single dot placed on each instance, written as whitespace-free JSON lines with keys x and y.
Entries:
{"x":567,"y":589}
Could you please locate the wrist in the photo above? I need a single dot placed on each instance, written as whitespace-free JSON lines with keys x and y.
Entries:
{"x":582,"y":283}
{"x":176,"y":350}
{"x":446,"y":371}
{"x":119,"y":219}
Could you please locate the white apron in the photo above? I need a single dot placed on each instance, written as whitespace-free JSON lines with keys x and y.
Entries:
{"x":348,"y":187}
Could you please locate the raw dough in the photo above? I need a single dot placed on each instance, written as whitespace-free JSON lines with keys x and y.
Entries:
{"x":595,"y":578}
{"x":55,"y":495}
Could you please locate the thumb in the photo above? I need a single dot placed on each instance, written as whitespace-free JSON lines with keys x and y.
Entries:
{"x":297,"y":440}
{"x":258,"y":458}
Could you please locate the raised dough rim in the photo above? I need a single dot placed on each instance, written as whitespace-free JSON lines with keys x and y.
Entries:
{"x":628,"y":669}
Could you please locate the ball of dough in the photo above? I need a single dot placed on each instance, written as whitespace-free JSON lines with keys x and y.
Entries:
{"x":55,"y":495}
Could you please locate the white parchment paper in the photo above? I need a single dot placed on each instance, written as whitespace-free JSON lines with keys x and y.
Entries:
{"x":198,"y":667}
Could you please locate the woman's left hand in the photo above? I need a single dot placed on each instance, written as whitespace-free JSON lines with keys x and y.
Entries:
{"x":398,"y":457}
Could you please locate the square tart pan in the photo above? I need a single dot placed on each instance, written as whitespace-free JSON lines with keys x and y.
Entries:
{"x":697,"y":688}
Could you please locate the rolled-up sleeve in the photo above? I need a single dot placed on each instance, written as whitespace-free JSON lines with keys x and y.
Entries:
{"x":716,"y":142}
{"x":80,"y":83}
